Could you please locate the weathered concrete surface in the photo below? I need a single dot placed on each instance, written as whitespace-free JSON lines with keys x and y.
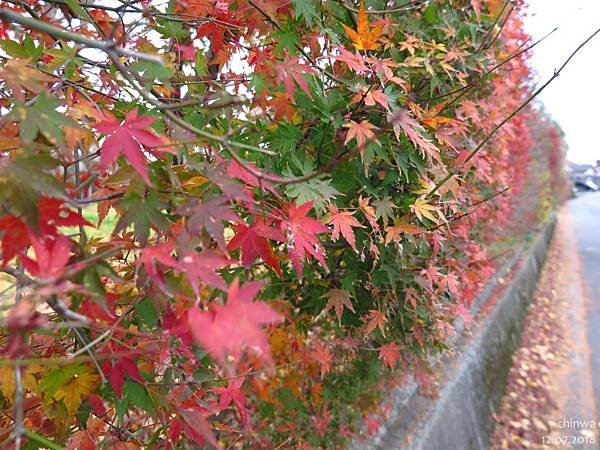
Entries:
{"x":472,"y":384}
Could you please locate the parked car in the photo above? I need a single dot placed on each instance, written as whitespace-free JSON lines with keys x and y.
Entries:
{"x":585,"y":186}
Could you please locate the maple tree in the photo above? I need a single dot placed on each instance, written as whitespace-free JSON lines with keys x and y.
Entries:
{"x":226,"y":224}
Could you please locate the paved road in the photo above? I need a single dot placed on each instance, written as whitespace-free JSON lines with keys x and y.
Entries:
{"x":584,"y":214}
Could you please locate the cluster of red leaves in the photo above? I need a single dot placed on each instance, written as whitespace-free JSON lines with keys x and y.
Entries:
{"x":229,"y":303}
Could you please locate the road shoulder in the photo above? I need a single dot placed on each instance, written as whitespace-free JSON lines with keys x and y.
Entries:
{"x":549,"y":400}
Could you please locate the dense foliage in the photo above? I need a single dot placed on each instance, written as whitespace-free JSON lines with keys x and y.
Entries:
{"x":223,"y":223}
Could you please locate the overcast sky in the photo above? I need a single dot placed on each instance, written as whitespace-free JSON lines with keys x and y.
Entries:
{"x":573,"y":99}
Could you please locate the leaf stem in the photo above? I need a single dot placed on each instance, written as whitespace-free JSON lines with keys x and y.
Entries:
{"x":42,"y":440}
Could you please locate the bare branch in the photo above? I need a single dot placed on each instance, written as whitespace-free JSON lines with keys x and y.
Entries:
{"x":492,"y":133}
{"x":408,"y":6}
{"x":60,"y":33}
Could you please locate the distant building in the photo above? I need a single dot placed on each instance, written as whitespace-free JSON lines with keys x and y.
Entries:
{"x":584,"y":176}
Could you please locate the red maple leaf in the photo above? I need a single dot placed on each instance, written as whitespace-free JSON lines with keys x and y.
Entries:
{"x":368,"y":211}
{"x":88,"y":439}
{"x":401,"y":120}
{"x":370,"y":97}
{"x":216,"y":33}
{"x":201,"y":266}
{"x":21,"y":318}
{"x":291,"y":70}
{"x":129,"y":138}
{"x":254,"y":241}
{"x":94,"y":311}
{"x":228,"y":329}
{"x":150,"y":256}
{"x":343,"y":222}
{"x":463,"y":312}
{"x":15,"y":237}
{"x":236,"y":170}
{"x":302,"y":236}
{"x":234,"y":393}
{"x":54,"y":214}
{"x":117,"y":371}
{"x":354,"y":61}
{"x":373,"y":423}
{"x":210,"y":215}
{"x":52,"y":257}
{"x":431,"y":275}
{"x":229,"y":184}
{"x":194,"y":425}
{"x":390,"y":354}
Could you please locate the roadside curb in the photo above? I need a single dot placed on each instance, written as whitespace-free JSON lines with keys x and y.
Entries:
{"x":471,"y":384}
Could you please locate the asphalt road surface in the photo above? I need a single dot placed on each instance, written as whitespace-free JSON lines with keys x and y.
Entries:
{"x":584,"y":220}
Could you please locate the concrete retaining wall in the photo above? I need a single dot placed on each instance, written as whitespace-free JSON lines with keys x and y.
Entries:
{"x":473,"y":382}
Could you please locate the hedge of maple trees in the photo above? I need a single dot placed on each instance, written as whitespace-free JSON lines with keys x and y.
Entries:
{"x":237,"y":223}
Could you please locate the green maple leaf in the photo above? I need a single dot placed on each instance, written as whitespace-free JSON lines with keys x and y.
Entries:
{"x":316,"y":189}
{"x":143,"y":212}
{"x":171,"y":29}
{"x":138,"y":396}
{"x":384,"y":209}
{"x":306,"y":9}
{"x":24,"y":180}
{"x":287,"y":38}
{"x":42,"y":118}
{"x":27,"y":49}
{"x":151,"y":71}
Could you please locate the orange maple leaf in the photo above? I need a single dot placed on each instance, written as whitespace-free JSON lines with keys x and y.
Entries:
{"x":365,"y":37}
{"x":362,"y":132}
{"x":338,"y":299}
{"x":395,"y":232}
{"x":390,"y":354}
{"x":323,"y":356}
{"x":343,"y":222}
{"x":375,"y":319}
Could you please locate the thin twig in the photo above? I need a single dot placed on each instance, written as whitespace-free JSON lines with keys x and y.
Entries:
{"x":489,"y":44}
{"x":408,"y":6}
{"x":60,"y":33}
{"x":491,"y":28}
{"x":492,"y":133}
{"x":463,"y":90}
{"x":475,"y":207}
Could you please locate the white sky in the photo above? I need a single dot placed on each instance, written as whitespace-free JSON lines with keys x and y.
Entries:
{"x":573,"y":99}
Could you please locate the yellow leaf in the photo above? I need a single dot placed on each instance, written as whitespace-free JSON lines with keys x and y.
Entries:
{"x":365,"y":37}
{"x":447,"y":67}
{"x":194,"y":183}
{"x":426,"y":186}
{"x":71,"y":386}
{"x":7,"y":380}
{"x":413,"y":61}
{"x":495,"y":7}
{"x":280,"y":342}
{"x":423,"y":209}
{"x":8,"y":143}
